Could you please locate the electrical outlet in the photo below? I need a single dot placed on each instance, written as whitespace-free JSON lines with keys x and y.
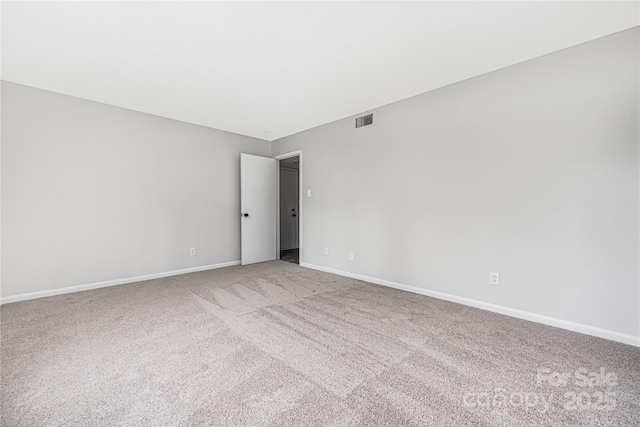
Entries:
{"x":494,"y":279}
{"x":192,"y":252}
{"x":350,"y":256}
{"x":326,"y":251}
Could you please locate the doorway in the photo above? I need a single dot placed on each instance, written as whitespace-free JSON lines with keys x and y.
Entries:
{"x":289,"y":191}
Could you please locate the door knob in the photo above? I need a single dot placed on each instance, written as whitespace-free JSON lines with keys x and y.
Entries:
{"x":245,"y":215}
{"x":294,"y":215}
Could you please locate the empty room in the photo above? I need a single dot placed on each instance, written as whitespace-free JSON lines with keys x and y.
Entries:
{"x":420,"y":213}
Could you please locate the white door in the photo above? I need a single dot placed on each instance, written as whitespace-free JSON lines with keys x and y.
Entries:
{"x":258,"y":208}
{"x":288,"y":208}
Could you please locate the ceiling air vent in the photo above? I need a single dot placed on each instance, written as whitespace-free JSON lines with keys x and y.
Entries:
{"x":364,"y":121}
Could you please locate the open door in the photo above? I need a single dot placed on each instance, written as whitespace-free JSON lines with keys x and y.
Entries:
{"x":258,"y":208}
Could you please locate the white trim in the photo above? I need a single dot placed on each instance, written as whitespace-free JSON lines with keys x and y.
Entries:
{"x":288,"y":155}
{"x":520,"y":314}
{"x":115,"y":282}
{"x":296,"y":153}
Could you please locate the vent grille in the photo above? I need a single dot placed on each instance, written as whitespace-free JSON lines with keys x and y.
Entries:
{"x":364,"y":121}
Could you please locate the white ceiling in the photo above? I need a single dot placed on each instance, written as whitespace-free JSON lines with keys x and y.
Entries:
{"x":288,"y":66}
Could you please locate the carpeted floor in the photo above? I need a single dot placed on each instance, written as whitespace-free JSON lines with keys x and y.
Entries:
{"x":275,"y":344}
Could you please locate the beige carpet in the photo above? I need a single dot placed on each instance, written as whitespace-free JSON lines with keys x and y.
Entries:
{"x":278,"y":344}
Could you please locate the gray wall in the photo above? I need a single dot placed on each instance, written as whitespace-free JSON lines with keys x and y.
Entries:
{"x":92,"y":192}
{"x":530,"y":171}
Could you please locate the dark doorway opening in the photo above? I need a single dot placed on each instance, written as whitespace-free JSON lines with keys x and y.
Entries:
{"x":290,"y":255}
{"x":289,"y":209}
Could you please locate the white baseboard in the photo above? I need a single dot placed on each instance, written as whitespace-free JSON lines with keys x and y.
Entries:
{"x":520,"y":314}
{"x":96,"y":285}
